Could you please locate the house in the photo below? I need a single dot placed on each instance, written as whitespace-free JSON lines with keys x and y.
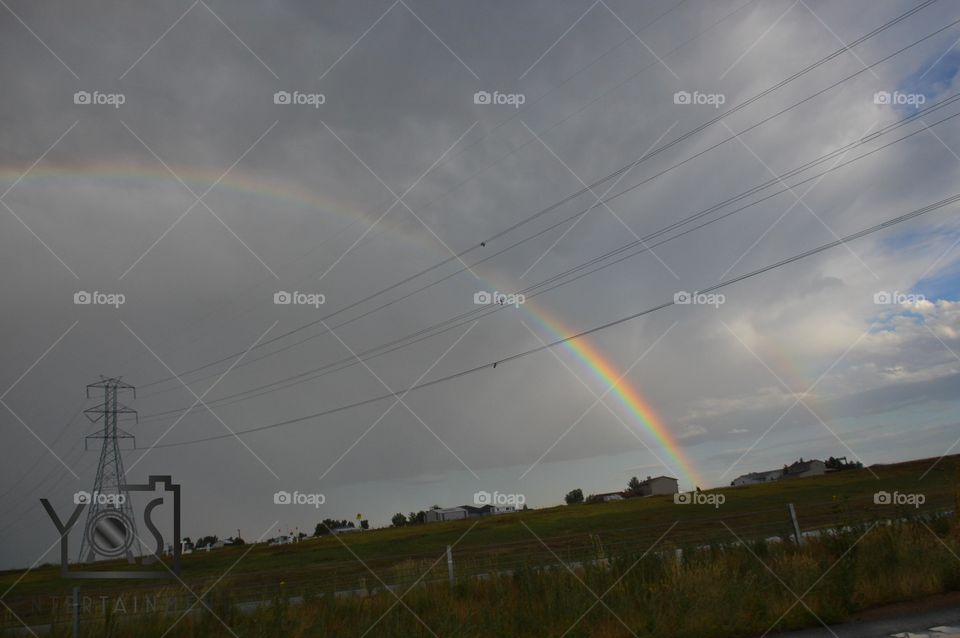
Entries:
{"x":758,"y":477}
{"x":803,"y":468}
{"x":658,"y":485}
{"x":606,"y":498}
{"x":336,"y":531}
{"x":281,"y":540}
{"x":798,"y":469}
{"x":466,"y":511}
{"x":445,"y":514}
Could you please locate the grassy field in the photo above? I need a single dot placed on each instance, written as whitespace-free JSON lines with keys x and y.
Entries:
{"x":719,"y":591}
{"x":511,"y":544}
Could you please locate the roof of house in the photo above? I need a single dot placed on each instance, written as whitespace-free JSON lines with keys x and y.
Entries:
{"x":473,"y":509}
{"x":654,"y":478}
{"x":757,"y":474}
{"x":802,"y":466}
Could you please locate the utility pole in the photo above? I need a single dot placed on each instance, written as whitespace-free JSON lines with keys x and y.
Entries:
{"x":110,"y":530}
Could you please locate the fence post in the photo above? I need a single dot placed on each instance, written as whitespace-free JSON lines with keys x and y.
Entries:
{"x":450,"y":565}
{"x":796,"y":525}
{"x":76,"y":612}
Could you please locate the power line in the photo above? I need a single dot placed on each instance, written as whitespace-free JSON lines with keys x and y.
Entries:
{"x":530,"y":292}
{"x":618,"y":172}
{"x":43,"y":453}
{"x":610,"y":324}
{"x":446,"y":193}
{"x":16,"y":517}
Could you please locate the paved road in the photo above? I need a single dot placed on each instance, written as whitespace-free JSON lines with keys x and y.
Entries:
{"x":943,"y":623}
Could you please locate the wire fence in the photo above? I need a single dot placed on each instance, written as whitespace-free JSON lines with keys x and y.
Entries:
{"x":369,"y":574}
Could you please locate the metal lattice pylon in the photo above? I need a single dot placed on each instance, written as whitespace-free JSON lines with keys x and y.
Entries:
{"x":110,"y":530}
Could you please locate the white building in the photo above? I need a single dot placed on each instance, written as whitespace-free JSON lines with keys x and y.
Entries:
{"x":798,"y":469}
{"x":281,"y":540}
{"x":758,"y":477}
{"x":803,"y":468}
{"x":659,"y":485}
{"x":445,"y":514}
{"x":466,"y":511}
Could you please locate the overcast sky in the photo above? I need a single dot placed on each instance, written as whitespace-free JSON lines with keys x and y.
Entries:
{"x":392,"y":163}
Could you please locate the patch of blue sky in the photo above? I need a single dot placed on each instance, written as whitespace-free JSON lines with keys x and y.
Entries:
{"x":931,"y":79}
{"x":943,"y":283}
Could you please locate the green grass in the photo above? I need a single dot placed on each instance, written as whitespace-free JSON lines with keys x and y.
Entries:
{"x":510,"y":542}
{"x":720,"y":591}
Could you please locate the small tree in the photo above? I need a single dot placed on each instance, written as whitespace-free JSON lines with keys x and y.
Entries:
{"x":574,"y":496}
{"x":633,"y":485}
{"x":206,"y":540}
{"x":327,"y":526}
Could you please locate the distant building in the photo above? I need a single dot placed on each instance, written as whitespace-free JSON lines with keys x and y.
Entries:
{"x":345,"y":530}
{"x":758,"y":477}
{"x":652,"y":486}
{"x":281,"y":540}
{"x":658,"y":485}
{"x":466,"y":511}
{"x":798,"y":469}
{"x":805,"y":468}
{"x":606,"y":498}
{"x":445,"y":514}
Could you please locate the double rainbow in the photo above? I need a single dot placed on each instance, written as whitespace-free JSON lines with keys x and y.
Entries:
{"x":591,"y":358}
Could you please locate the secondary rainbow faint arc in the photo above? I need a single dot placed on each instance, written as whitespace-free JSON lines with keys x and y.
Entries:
{"x":589,"y":356}
{"x":235,"y":180}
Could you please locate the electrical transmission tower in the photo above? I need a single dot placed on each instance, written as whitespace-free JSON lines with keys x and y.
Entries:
{"x":111,"y":526}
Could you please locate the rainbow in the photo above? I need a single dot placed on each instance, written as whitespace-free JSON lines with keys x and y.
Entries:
{"x":607,"y":373}
{"x":600,"y":367}
{"x":199,"y":179}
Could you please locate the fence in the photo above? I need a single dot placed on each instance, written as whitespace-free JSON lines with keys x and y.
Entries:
{"x":711,"y":527}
